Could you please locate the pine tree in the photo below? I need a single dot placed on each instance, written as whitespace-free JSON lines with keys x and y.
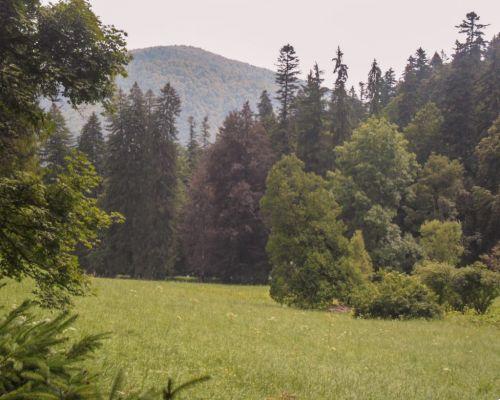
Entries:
{"x":388,"y":87}
{"x":91,"y":143}
{"x":205,"y":133}
{"x":58,"y":145}
{"x":193,"y":147}
{"x":266,"y":113}
{"x":374,"y":89}
{"x":487,"y":90}
{"x":341,"y":106}
{"x":460,"y":134}
{"x":436,"y":61}
{"x":123,"y":192}
{"x":156,"y":253}
{"x":309,"y":122}
{"x":286,"y":79}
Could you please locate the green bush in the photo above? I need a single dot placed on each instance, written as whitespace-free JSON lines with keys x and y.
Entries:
{"x":439,"y":278}
{"x":37,"y":364}
{"x":477,"y":287}
{"x":396,"y":295}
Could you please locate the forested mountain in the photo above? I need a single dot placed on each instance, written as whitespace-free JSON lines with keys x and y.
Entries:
{"x":208,"y":84}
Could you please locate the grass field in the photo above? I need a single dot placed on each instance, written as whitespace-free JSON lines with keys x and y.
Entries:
{"x":256,"y":349}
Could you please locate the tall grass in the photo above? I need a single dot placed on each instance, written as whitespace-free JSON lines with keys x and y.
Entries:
{"x":256,"y":349}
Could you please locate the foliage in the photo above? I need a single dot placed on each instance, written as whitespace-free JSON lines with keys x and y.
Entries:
{"x":477,"y":287}
{"x":141,"y":177}
{"x":439,"y":277}
{"x":223,"y":233}
{"x":75,"y":54}
{"x":306,"y":246}
{"x":424,"y":132}
{"x":359,"y":257}
{"x":436,"y":193}
{"x":442,"y":241}
{"x":374,"y":170}
{"x":41,"y":225}
{"x":396,"y":295}
{"x":39,"y":364}
{"x":488,"y":158}
{"x":91,"y":143}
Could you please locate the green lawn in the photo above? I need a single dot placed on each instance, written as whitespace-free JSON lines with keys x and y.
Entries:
{"x":256,"y":349}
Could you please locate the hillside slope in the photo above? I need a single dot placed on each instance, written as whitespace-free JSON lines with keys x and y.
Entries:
{"x":207,"y":83}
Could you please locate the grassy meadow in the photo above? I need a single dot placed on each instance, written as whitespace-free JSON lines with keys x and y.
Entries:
{"x":256,"y":349}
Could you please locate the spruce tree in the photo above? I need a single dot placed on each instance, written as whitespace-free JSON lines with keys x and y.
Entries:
{"x":460,"y":133}
{"x":388,"y":87}
{"x":193,"y":147}
{"x":57,"y":146}
{"x":286,"y":79}
{"x":374,"y":89}
{"x":309,"y":122}
{"x":205,"y":133}
{"x":155,"y":258}
{"x":266,"y":113}
{"x":91,"y":143}
{"x":341,"y":106}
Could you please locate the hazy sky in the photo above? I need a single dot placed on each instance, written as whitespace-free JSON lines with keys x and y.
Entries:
{"x":253,"y":31}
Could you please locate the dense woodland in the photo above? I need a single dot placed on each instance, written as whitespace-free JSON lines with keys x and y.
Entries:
{"x":383,"y":198}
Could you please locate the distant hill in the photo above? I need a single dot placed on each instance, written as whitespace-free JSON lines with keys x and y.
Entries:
{"x":207,"y":83}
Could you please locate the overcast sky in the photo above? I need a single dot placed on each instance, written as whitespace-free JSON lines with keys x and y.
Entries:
{"x":254,"y":30}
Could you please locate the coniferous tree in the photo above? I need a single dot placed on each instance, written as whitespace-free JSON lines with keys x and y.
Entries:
{"x":341,"y":105}
{"x":487,"y":90}
{"x":159,"y":188}
{"x":266,"y":113}
{"x":141,"y":177}
{"x":309,"y":122}
{"x":374,"y":89}
{"x":436,"y":61}
{"x":286,"y":79}
{"x":205,"y":133}
{"x":388,"y":87}
{"x":58,"y":145}
{"x":460,"y":134}
{"x":91,"y":143}
{"x":193,"y":147}
{"x":223,"y":234}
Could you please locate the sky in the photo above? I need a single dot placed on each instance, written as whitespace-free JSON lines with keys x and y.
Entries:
{"x":253,"y":30}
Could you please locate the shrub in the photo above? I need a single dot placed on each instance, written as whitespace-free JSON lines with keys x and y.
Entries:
{"x":306,"y":247}
{"x":396,"y":295}
{"x":36,"y":363}
{"x":442,"y":241}
{"x":439,"y":278}
{"x":476,"y":286}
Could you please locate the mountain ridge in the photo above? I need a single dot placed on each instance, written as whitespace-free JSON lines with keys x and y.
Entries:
{"x":207,"y":83}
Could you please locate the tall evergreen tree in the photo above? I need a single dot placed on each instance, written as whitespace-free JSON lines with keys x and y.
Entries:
{"x":388,"y":87}
{"x":141,"y":184}
{"x":58,"y":145}
{"x":460,"y":134}
{"x":193,"y":147}
{"x":159,"y":188}
{"x":91,"y":143}
{"x":286,"y":79}
{"x":374,"y":89}
{"x":205,"y":133}
{"x":309,"y":122}
{"x":341,"y":107}
{"x":436,"y":61}
{"x":488,"y":88}
{"x":266,"y":113}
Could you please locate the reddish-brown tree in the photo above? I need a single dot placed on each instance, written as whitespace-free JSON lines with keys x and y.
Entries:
{"x":223,"y":234}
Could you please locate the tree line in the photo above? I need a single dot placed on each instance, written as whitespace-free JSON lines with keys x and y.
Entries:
{"x":384,"y":161}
